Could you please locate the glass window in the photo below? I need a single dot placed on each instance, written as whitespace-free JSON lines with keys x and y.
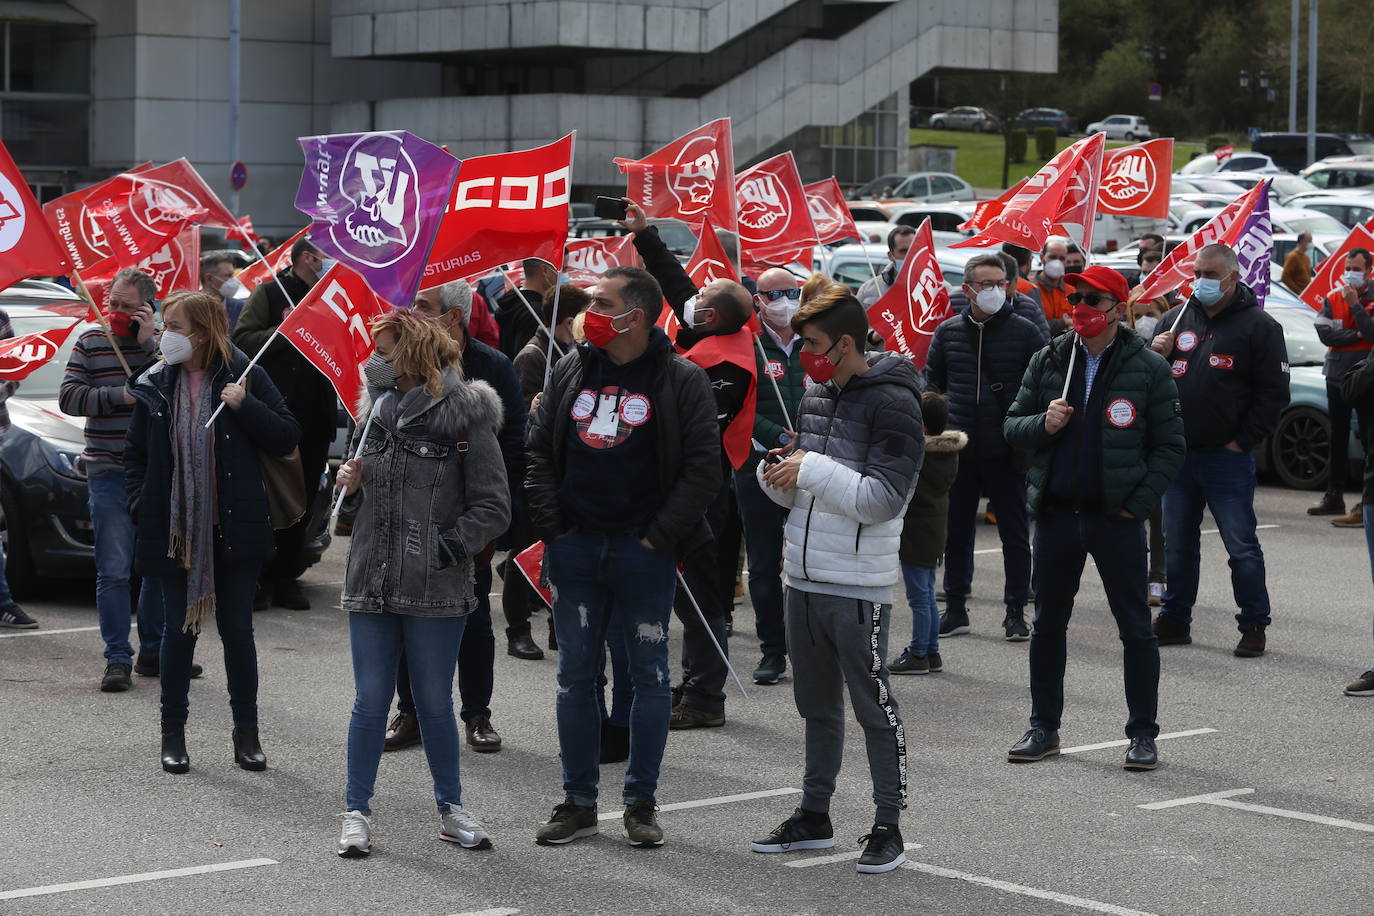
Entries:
{"x":46,"y":133}
{"x":939,"y":184}
{"x":49,"y":58}
{"x":1320,"y":179}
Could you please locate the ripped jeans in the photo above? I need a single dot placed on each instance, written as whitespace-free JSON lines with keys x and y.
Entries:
{"x":596,"y":579}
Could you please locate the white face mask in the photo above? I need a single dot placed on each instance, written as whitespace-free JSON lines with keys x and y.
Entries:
{"x":695,"y":313}
{"x":990,"y":301}
{"x":230,"y":288}
{"x":325,"y":264}
{"x":1054,"y":268}
{"x":176,"y":348}
{"x":780,"y":312}
{"x":1353,"y":278}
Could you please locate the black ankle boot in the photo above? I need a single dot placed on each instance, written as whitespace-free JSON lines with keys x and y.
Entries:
{"x":174,"y":757}
{"x":247,"y":751}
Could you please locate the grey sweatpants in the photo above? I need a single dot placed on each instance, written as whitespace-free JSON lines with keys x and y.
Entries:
{"x":834,"y":642}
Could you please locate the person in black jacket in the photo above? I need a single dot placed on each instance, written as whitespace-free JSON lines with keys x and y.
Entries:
{"x":1231,"y":366}
{"x":203,"y":546}
{"x":517,"y":311}
{"x":978,"y":357}
{"x":624,"y":457}
{"x":1357,"y":390}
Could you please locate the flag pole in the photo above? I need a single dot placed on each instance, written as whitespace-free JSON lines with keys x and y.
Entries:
{"x":725,"y":658}
{"x":776,"y":390}
{"x":339,"y":494}
{"x":553,"y":318}
{"x":1068,"y":376}
{"x":104,"y":322}
{"x":873,"y":270}
{"x":538,"y":318}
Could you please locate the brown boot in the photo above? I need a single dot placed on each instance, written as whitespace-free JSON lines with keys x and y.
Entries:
{"x":481,"y":736}
{"x":1332,"y":503}
{"x":1354,"y":520}
{"x":403,"y":732}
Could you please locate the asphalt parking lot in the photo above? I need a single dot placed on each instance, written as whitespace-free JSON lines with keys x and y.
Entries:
{"x":1264,"y":802}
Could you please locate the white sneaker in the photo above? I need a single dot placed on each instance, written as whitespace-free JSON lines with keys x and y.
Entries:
{"x":356,"y":839}
{"x":461,"y":827}
{"x":1156,"y":596}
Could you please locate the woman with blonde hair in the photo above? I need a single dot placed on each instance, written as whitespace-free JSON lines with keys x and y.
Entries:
{"x":433,"y":495}
{"x":202,"y":527}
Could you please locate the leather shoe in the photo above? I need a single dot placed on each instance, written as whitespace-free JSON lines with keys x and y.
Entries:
{"x":174,"y":756}
{"x":1171,"y":633}
{"x":403,"y":732}
{"x":290,"y":595}
{"x":247,"y":751}
{"x":482,"y":738}
{"x":1141,"y":755}
{"x":522,"y":645}
{"x":1251,"y":643}
{"x":1035,"y":744}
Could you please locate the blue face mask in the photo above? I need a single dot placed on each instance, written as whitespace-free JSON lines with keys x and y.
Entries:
{"x":1207,"y":290}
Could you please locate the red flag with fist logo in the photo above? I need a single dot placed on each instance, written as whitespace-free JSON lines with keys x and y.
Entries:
{"x":830,"y":212}
{"x":505,"y":207}
{"x":331,"y":327}
{"x":275,"y":261}
{"x":773,"y":215}
{"x":28,"y":247}
{"x":691,"y":179}
{"x":19,"y":356}
{"x":589,"y":258}
{"x":1136,"y":179}
{"x":176,"y":265}
{"x":909,"y":312}
{"x":72,"y":221}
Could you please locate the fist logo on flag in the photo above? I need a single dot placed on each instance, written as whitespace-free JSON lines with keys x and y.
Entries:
{"x":590,"y":257}
{"x":92,"y":234}
{"x":1130,"y":179}
{"x":379,"y":177}
{"x":692,"y":176}
{"x":157,"y":203}
{"x":823,"y":214}
{"x":927,"y":289}
{"x":12,"y":215}
{"x":761,"y":209}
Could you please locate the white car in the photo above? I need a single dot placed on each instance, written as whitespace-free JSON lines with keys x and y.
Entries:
{"x":1207,"y":164}
{"x":1284,"y":219}
{"x":965,"y":117}
{"x":1282,"y":187}
{"x":943,"y":217}
{"x":1121,"y":127}
{"x":1351,"y":209}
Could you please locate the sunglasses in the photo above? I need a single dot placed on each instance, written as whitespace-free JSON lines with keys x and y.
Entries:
{"x":773,"y":295}
{"x":1092,"y":299}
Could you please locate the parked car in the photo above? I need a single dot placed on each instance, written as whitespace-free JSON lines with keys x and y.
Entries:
{"x":943,"y":217}
{"x":1323,"y":244}
{"x":879,"y":187}
{"x":1121,"y":127}
{"x":1284,"y":219}
{"x":1290,"y":150}
{"x":965,"y":118}
{"x":1282,"y":187}
{"x":931,"y":187}
{"x":854,"y":265}
{"x":1341,"y":174}
{"x":1350,"y":209}
{"x":1057,"y":118}
{"x":1204,"y":184}
{"x":676,"y":235}
{"x":1206,"y":164}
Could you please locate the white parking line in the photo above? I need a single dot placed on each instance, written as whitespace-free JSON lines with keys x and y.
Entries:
{"x":1081,"y":903}
{"x":1224,"y":800}
{"x":132,"y":879}
{"x":497,"y":911}
{"x":47,"y":632}
{"x":1126,"y":741}
{"x":707,"y":802}
{"x":837,"y":857}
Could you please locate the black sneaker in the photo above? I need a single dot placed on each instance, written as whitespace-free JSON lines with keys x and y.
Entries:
{"x":954,"y":622}
{"x":883,"y":851}
{"x":937,"y":664}
{"x":771,"y":669}
{"x":803,"y":830}
{"x":1014,"y":625}
{"x":1170,"y":632}
{"x":13,"y":617}
{"x":910,"y":664}
{"x":567,"y":823}
{"x":641,"y":824}
{"x":1251,"y":643}
{"x":149,"y":664}
{"x":116,"y":679}
{"x":290,"y":595}
{"x":1362,"y":686}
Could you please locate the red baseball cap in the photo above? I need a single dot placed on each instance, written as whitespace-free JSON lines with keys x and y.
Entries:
{"x":1102,"y":279}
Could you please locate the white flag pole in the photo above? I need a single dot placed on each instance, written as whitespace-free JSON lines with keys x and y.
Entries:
{"x":1068,"y":376}
{"x":538,"y":318}
{"x":557,"y":287}
{"x":725,"y":658}
{"x":1181,"y":309}
{"x":776,"y":390}
{"x":362,"y":440}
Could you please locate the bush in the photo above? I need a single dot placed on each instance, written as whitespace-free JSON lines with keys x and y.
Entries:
{"x":1016,"y":145}
{"x":1044,"y":143}
{"x":1215,"y":140}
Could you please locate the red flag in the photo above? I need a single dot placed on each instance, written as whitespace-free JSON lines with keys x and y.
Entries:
{"x":709,"y":262}
{"x":246,"y":234}
{"x":830,"y":212}
{"x":20,"y":356}
{"x":774,"y":218}
{"x":1223,"y":153}
{"x":1325,"y":281}
{"x":28,"y":246}
{"x":987,"y":209}
{"x":1177,"y":266}
{"x":598,"y":255}
{"x":908,"y":313}
{"x":505,"y":207}
{"x":69,"y":218}
{"x":530,"y":562}
{"x":178,"y":186}
{"x":176,"y":265}
{"x":689,"y":179}
{"x":1136,"y":179}
{"x":136,"y":228}
{"x":1061,"y":198}
{"x":331,"y":328}
{"x":277,"y":260}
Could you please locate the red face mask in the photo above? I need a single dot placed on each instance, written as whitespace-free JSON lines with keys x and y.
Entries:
{"x":600,"y":329}
{"x":120,"y":324}
{"x":1088,"y":322}
{"x":818,"y":365}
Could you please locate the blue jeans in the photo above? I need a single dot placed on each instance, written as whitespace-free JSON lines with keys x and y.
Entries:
{"x":596,"y":578}
{"x":1224,"y":482}
{"x":1006,"y":488}
{"x":622,"y":691}
{"x":476,"y":659}
{"x":763,"y":534}
{"x":1369,"y":540}
{"x":431,"y":647}
{"x":925,"y":616}
{"x":114,"y":562}
{"x":5,"y":596}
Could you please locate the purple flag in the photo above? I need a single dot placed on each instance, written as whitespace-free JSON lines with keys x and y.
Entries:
{"x":375,"y":201}
{"x":1254,"y":246}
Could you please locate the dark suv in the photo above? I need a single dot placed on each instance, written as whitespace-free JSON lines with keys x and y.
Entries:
{"x":1289,"y":151}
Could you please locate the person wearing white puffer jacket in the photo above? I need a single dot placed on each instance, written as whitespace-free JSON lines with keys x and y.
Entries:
{"x":846,"y":481}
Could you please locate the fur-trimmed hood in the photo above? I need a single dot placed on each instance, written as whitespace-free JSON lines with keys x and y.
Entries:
{"x":951,"y":440}
{"x":465,"y":404}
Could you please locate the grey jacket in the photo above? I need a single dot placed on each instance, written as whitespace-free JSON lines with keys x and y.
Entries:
{"x":1333,"y":334}
{"x":434,"y":495}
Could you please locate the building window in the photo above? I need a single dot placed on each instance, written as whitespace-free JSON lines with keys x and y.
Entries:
{"x":45,"y":93}
{"x":866,"y":147}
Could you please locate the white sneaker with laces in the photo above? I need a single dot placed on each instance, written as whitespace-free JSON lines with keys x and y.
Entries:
{"x":461,"y":827}
{"x":355,"y":841}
